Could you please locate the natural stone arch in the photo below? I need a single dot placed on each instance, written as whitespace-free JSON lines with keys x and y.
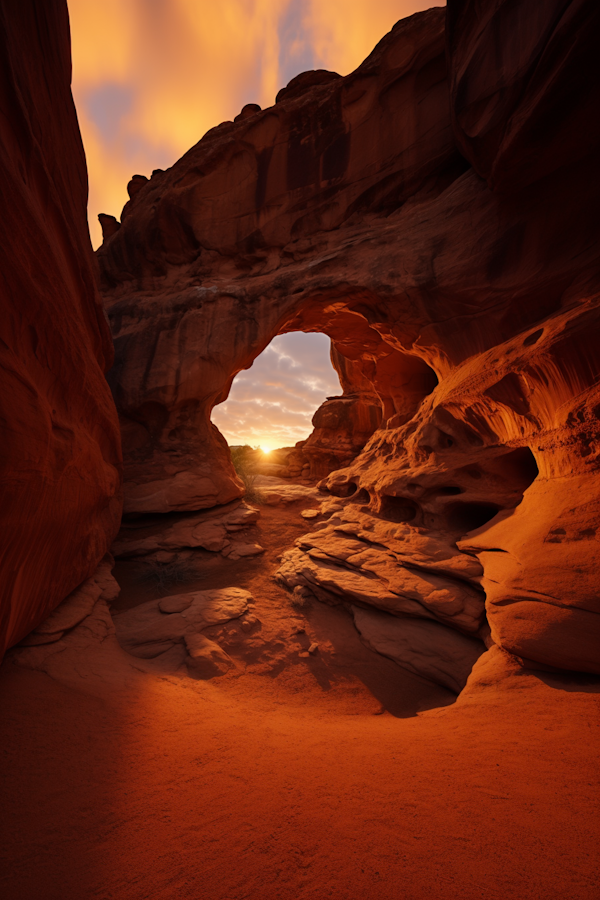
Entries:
{"x":176,"y":363}
{"x":255,"y":230}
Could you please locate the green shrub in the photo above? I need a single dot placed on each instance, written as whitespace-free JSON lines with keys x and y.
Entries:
{"x":243,"y":459}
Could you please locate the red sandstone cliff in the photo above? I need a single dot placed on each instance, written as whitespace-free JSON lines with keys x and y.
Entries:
{"x":466,"y":298}
{"x":60,"y":448}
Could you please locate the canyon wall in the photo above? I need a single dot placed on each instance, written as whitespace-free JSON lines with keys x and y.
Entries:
{"x":60,"y":455}
{"x":435,"y":213}
{"x":252,"y":234}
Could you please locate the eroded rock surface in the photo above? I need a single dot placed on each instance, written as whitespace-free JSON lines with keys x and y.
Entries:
{"x":155,"y":628}
{"x":425,"y":648}
{"x":209,"y":531}
{"x":402,"y":211}
{"x":243,"y":239}
{"x":60,"y":446}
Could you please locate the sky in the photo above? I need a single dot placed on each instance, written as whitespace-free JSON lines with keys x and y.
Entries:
{"x":150,"y":77}
{"x":271,"y":405}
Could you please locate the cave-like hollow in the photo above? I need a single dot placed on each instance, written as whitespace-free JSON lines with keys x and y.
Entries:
{"x":396,"y":470}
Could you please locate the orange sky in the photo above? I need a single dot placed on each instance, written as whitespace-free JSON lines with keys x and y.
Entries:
{"x":150,"y":77}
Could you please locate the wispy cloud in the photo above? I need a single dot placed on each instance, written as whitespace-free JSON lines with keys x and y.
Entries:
{"x":273,"y":402}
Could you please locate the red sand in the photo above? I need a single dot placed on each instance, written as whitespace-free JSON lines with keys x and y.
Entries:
{"x":286,"y":786}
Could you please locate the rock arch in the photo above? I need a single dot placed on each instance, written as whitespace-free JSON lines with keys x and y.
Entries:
{"x":172,"y":368}
{"x":465,"y":304}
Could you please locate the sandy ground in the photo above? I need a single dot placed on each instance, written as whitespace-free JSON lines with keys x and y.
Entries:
{"x":336,"y":776}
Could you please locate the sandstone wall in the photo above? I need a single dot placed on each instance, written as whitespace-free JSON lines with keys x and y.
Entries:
{"x":227,"y":249}
{"x":524,"y":82}
{"x":400,"y":210}
{"x":60,"y":449}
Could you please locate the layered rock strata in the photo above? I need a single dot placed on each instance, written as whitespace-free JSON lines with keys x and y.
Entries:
{"x":60,"y":447}
{"x":242,"y":240}
{"x":399,"y":210}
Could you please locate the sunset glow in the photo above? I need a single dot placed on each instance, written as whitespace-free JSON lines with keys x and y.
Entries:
{"x":271,"y":404}
{"x":149,"y":79}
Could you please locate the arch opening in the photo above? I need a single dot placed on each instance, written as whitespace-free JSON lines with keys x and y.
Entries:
{"x":271,"y":404}
{"x":320,"y":390}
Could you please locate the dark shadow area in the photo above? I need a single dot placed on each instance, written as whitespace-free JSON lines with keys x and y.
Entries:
{"x":61,"y":772}
{"x":362,"y":496}
{"x":574,"y":682}
{"x":342,"y":490}
{"x":397,"y":509}
{"x":465,"y":517}
{"x":401,"y":693}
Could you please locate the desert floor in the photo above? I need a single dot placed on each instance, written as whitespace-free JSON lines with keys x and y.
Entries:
{"x":292,"y":778}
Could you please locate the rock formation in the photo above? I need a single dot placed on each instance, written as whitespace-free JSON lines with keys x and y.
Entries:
{"x":199,"y":279}
{"x":60,"y":448}
{"x":439,"y":222}
{"x":343,"y":425}
{"x":435,"y":212}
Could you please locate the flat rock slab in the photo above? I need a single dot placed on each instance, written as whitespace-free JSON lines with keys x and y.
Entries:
{"x":153,"y":628}
{"x":276,"y":491}
{"x":206,"y":531}
{"x":422,"y":646}
{"x":339,"y":562}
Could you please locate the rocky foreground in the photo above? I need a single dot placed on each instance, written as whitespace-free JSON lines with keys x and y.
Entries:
{"x":377,"y":678}
{"x":203,"y":731}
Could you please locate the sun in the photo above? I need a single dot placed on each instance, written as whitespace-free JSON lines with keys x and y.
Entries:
{"x":266,"y":448}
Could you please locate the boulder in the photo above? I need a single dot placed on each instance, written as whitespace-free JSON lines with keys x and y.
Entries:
{"x":153,"y":628}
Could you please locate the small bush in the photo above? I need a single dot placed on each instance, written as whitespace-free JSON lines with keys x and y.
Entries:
{"x":300,"y":598}
{"x":242,"y":459}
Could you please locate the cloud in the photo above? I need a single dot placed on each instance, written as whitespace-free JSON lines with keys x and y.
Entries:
{"x":150,"y":77}
{"x":343,"y":32}
{"x":273,"y":402}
